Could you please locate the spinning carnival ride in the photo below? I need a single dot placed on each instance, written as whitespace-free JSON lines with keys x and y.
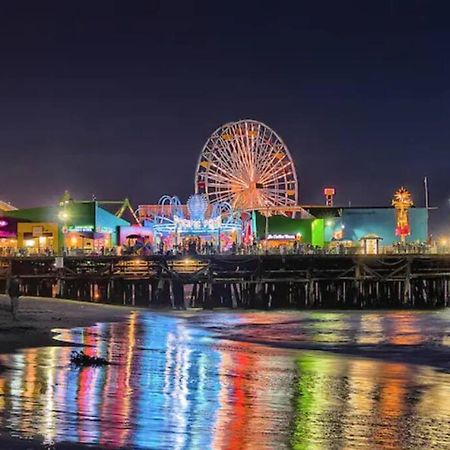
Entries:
{"x":197,"y":218}
{"x":246,"y":164}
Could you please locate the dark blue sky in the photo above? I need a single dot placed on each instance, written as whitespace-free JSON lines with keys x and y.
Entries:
{"x":118,"y":98}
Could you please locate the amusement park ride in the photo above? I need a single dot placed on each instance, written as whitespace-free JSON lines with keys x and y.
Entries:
{"x":246,"y":164}
{"x":199,"y":219}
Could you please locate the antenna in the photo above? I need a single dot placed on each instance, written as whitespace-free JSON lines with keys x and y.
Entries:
{"x":427,"y":195}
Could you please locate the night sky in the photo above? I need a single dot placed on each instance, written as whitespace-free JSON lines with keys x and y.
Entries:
{"x":118,"y":98}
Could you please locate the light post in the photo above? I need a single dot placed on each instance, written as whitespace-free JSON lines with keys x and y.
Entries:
{"x":63,"y":216}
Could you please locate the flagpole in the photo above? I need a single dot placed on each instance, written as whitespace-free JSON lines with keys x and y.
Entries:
{"x":427,"y":198}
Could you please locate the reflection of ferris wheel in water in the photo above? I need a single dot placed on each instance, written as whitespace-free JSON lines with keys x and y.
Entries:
{"x":247,"y":164}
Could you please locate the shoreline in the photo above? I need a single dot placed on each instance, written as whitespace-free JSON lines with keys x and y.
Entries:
{"x":40,"y":316}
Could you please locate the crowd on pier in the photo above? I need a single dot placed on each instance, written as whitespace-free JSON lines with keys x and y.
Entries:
{"x":197,"y":247}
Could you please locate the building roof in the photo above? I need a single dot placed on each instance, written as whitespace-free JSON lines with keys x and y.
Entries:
{"x":336,"y":211}
{"x":80,"y":214}
{"x":5,"y":206}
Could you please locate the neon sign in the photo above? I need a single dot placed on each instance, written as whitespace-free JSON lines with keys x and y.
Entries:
{"x":197,"y":225}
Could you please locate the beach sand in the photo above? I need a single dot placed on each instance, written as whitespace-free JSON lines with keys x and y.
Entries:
{"x":38,"y":316}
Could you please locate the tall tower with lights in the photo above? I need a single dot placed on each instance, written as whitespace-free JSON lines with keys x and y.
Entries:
{"x":402,"y":202}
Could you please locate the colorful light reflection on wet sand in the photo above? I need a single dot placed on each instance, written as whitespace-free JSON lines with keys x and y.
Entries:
{"x":174,"y":386}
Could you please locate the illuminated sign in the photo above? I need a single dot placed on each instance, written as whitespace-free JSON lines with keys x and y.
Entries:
{"x":81,"y":228}
{"x":197,"y":225}
{"x":329,"y":191}
{"x":283,"y":237}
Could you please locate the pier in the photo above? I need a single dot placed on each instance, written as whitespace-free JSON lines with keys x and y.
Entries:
{"x":244,"y":281}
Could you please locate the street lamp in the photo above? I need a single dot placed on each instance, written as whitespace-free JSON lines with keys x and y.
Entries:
{"x":63,"y":216}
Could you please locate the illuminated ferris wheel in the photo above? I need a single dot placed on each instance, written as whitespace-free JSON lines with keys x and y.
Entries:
{"x":247,"y":164}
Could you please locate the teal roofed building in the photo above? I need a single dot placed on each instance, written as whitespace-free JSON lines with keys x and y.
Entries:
{"x":354,"y":223}
{"x":84,"y":225}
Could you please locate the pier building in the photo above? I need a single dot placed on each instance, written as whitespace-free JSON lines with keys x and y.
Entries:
{"x":76,"y":225}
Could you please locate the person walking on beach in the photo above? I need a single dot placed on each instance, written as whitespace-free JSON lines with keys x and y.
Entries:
{"x":14,"y":294}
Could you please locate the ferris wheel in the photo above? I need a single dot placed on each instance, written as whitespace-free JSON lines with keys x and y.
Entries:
{"x":247,"y":164}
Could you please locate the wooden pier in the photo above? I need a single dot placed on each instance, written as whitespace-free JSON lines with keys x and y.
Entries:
{"x":245,"y":281}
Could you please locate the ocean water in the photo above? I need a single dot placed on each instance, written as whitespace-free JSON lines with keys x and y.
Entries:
{"x":264,"y":380}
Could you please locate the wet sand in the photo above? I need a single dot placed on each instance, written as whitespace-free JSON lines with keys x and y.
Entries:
{"x":9,"y":443}
{"x":39,"y":316}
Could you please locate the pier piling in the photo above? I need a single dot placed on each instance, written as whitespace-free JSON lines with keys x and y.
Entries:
{"x":263,"y":282}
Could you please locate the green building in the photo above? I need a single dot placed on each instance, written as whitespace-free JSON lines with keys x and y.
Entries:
{"x":83,"y":225}
{"x":284,"y":229}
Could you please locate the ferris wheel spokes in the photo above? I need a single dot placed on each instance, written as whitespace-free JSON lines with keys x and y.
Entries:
{"x":247,"y":164}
